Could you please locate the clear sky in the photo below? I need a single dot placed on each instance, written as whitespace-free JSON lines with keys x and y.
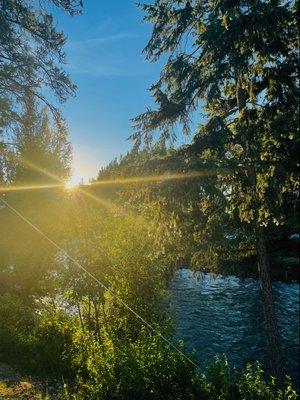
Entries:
{"x":104,"y":59}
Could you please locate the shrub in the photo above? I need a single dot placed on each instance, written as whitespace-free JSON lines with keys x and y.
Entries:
{"x":36,"y":343}
{"x":16,"y":321}
{"x":149,"y":369}
{"x":51,"y":342}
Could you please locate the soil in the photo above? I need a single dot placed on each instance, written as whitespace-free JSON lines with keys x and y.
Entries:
{"x":15,"y":386}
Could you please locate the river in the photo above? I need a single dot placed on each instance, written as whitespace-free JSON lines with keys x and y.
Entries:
{"x":223,"y":315}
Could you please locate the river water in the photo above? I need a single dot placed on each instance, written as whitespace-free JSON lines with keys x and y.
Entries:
{"x":223,"y":315}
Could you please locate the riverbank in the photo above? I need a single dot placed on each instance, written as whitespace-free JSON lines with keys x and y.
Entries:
{"x":282,"y":268}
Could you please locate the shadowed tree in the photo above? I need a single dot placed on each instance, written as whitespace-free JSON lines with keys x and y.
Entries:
{"x":239,"y":60}
{"x":31,"y":54}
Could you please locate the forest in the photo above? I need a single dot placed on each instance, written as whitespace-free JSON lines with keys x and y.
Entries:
{"x":86,"y":272}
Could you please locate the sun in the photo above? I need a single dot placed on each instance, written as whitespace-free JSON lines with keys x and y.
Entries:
{"x":74,"y":181}
{"x":71,"y":185}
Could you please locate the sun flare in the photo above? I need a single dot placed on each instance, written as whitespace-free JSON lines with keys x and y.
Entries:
{"x":71,"y":184}
{"x":75,"y":180}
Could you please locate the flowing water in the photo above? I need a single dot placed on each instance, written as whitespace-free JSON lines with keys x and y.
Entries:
{"x":223,"y":315}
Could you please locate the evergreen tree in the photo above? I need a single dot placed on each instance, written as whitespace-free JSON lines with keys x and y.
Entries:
{"x":31,"y":54}
{"x":36,"y":165}
{"x":239,"y":60}
{"x":43,"y":152}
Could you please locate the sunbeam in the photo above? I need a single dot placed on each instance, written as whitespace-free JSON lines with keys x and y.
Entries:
{"x":156,"y":178}
{"x":13,"y":188}
{"x":108,"y":204}
{"x":122,"y":181}
{"x":44,"y":171}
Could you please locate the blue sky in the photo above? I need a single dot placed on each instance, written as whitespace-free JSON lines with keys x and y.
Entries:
{"x":104,"y":59}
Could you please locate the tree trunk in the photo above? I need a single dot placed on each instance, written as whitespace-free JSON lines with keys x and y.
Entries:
{"x":97,"y":318}
{"x":104,"y":315}
{"x":263,"y":261}
{"x":80,"y":317}
{"x":89,"y":313}
{"x":268,"y":306}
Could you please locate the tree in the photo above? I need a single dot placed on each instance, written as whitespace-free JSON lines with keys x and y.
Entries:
{"x":37,"y":165}
{"x":239,"y":59}
{"x":43,"y":152}
{"x":31,"y":52}
{"x":177,"y":192}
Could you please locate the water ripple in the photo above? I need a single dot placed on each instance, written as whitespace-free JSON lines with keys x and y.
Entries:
{"x":216,"y":314}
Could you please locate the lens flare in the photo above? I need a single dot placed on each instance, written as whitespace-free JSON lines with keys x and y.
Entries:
{"x":156,"y":178}
{"x":72,"y":184}
{"x":12,"y":188}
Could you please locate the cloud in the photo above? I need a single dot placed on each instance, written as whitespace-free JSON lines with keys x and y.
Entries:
{"x":93,"y":57}
{"x":99,"y":70}
{"x":98,"y":41}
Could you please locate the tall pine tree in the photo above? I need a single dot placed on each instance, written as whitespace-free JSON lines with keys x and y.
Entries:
{"x":237,"y":59}
{"x":43,"y":151}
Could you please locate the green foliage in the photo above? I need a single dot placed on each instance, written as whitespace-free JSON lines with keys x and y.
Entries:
{"x":253,"y":385}
{"x":143,"y":369}
{"x":109,"y":367}
{"x":36,"y":342}
{"x":51,"y":341}
{"x":16,"y":321}
{"x":41,"y":158}
{"x":150,"y":369}
{"x":243,"y":68}
{"x":32,"y":53}
{"x":238,"y":59}
{"x":42,"y":153}
{"x":88,"y":321}
{"x":189,"y":218}
{"x":76,"y":329}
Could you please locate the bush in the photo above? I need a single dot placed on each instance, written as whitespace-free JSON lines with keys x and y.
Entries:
{"x":16,"y":322}
{"x":36,"y":343}
{"x":145,"y":369}
{"x":51,"y":342}
{"x":149,"y":369}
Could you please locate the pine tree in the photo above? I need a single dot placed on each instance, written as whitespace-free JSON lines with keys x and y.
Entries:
{"x":238,"y":60}
{"x":31,"y":54}
{"x":43,"y":151}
